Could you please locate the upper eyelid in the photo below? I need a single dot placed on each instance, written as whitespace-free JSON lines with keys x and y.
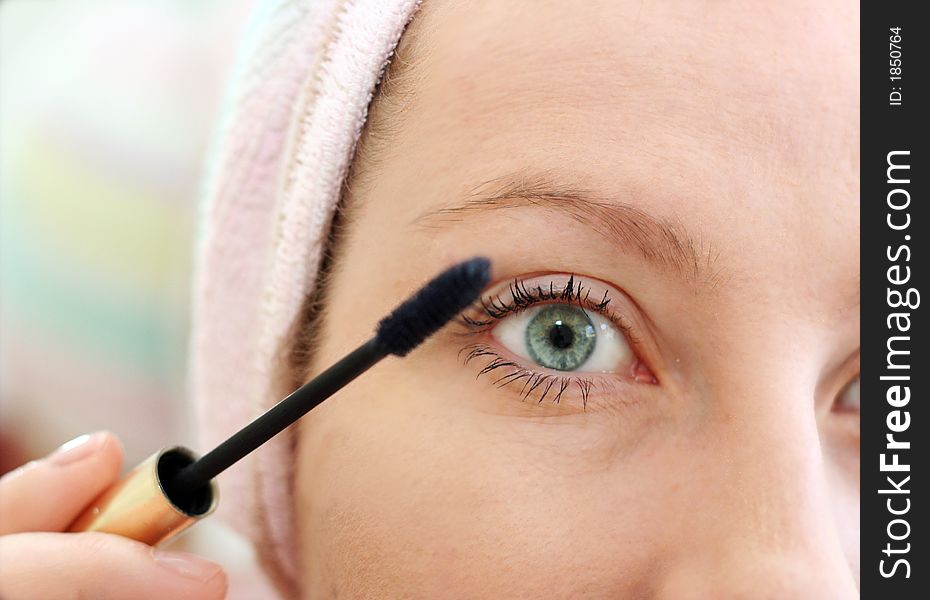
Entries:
{"x":520,"y":293}
{"x":581,"y":293}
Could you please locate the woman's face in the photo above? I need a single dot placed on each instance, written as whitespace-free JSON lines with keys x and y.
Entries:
{"x":697,"y":435}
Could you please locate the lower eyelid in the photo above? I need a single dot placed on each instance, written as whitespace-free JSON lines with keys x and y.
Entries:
{"x":530,"y":383}
{"x":582,"y":390}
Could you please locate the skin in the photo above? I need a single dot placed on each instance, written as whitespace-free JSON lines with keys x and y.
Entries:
{"x":736,"y":474}
{"x":40,"y":500}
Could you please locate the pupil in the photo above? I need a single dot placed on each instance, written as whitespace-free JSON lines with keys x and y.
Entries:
{"x":561,"y":335}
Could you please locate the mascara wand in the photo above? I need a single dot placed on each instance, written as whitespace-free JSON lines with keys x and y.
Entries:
{"x":172,"y":489}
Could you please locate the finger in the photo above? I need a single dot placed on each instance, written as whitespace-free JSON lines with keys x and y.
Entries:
{"x":100,"y":565}
{"x":48,"y":494}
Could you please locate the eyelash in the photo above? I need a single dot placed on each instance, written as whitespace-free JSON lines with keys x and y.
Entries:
{"x":532,"y":379}
{"x":520,"y":298}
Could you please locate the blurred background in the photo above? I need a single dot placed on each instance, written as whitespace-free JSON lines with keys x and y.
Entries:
{"x":107,"y":109}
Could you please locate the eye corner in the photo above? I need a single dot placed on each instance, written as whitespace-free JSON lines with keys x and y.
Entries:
{"x":643,"y":374}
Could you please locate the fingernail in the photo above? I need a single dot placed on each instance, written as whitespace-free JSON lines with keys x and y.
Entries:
{"x":186,"y":565}
{"x":77,"y":449}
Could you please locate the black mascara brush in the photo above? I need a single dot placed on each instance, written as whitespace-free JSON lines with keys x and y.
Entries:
{"x":172,"y":489}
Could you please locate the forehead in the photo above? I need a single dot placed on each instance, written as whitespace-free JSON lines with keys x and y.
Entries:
{"x":718,"y":74}
{"x":739,"y":119}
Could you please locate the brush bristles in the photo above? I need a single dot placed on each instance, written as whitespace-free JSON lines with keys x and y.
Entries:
{"x":433,"y":306}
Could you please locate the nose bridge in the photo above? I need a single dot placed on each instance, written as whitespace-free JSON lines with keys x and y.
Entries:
{"x":770,"y":530}
{"x":775,"y":469}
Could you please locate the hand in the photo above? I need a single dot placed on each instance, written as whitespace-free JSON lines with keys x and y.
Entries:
{"x":39,"y":500}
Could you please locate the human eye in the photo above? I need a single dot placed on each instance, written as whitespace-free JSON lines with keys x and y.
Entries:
{"x":848,"y":400}
{"x":556,"y":337}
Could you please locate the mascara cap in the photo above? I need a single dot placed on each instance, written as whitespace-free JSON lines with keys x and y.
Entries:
{"x":142,"y":506}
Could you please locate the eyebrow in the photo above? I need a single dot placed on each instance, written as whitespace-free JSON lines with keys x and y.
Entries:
{"x":666,"y":245}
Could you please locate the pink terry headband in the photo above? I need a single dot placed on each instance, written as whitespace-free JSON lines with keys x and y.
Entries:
{"x":298,"y":102}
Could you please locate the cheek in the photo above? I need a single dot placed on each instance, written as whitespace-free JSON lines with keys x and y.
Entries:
{"x":397,"y":492}
{"x":380,"y":495}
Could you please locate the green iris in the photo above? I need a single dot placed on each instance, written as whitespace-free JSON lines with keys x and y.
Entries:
{"x":560,"y":337}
